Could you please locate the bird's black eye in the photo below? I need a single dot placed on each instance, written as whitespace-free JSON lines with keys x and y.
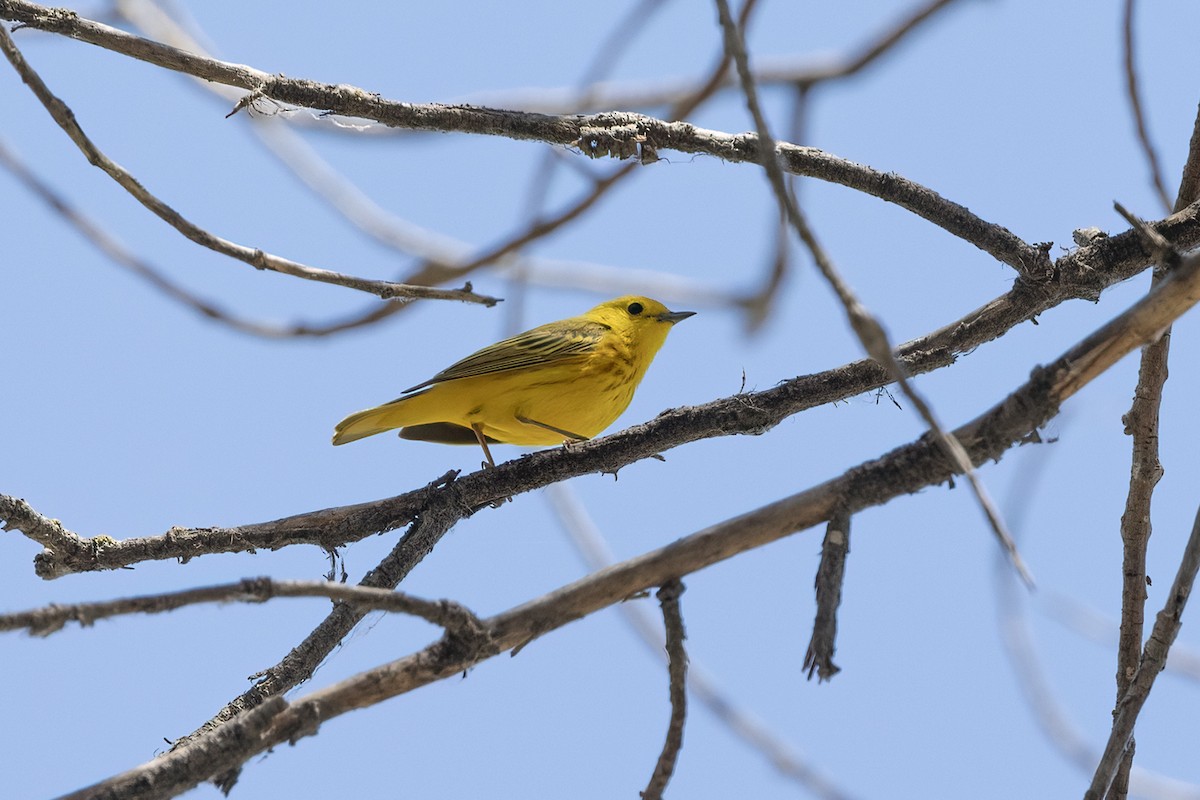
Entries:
{"x":635,"y":309}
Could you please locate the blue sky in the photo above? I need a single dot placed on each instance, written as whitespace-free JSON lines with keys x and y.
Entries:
{"x":126,"y":414}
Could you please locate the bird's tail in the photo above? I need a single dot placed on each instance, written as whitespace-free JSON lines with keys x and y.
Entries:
{"x":361,"y":424}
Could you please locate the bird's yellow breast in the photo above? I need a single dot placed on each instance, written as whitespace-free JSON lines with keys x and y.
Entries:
{"x":583,"y":397}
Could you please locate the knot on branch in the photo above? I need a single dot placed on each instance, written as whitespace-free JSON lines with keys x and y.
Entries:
{"x":670,"y":591}
{"x":1036,"y":264}
{"x":466,"y":639}
{"x":617,"y":141}
{"x":258,"y":589}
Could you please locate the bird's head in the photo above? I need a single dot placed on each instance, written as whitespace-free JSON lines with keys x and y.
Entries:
{"x":632,"y":312}
{"x":642,"y":322}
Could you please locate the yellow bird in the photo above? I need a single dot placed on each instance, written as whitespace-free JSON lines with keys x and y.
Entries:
{"x":565,"y":380}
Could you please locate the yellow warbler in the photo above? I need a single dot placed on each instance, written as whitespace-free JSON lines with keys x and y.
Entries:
{"x":563,"y":380}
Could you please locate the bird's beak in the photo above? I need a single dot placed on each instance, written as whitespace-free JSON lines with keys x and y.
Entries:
{"x":675,"y":316}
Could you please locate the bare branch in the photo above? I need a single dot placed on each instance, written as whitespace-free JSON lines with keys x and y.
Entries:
{"x":865,"y":325}
{"x":1047,"y":710}
{"x":259,"y":259}
{"x":830,"y":573}
{"x":597,"y":135}
{"x":1154,"y":657}
{"x":16,"y":514}
{"x":677,"y":668}
{"x":50,"y":619}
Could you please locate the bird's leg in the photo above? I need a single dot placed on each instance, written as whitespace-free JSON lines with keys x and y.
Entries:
{"x":573,"y":436}
{"x":489,"y":464}
{"x":478,"y":428}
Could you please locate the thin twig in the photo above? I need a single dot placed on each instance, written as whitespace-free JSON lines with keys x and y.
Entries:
{"x":830,"y":574}
{"x":677,"y":669}
{"x":1154,"y":657}
{"x":866,"y":326}
{"x":50,"y":619}
{"x":539,"y":228}
{"x":259,"y":259}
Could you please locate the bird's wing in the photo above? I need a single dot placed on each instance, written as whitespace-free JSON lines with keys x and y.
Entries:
{"x":545,"y":344}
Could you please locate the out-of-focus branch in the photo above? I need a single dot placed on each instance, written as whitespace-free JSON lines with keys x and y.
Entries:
{"x":598,"y":135}
{"x":259,"y":259}
{"x":1096,"y":627}
{"x":1135,"y":107}
{"x":1046,"y":707}
{"x":783,"y":71}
